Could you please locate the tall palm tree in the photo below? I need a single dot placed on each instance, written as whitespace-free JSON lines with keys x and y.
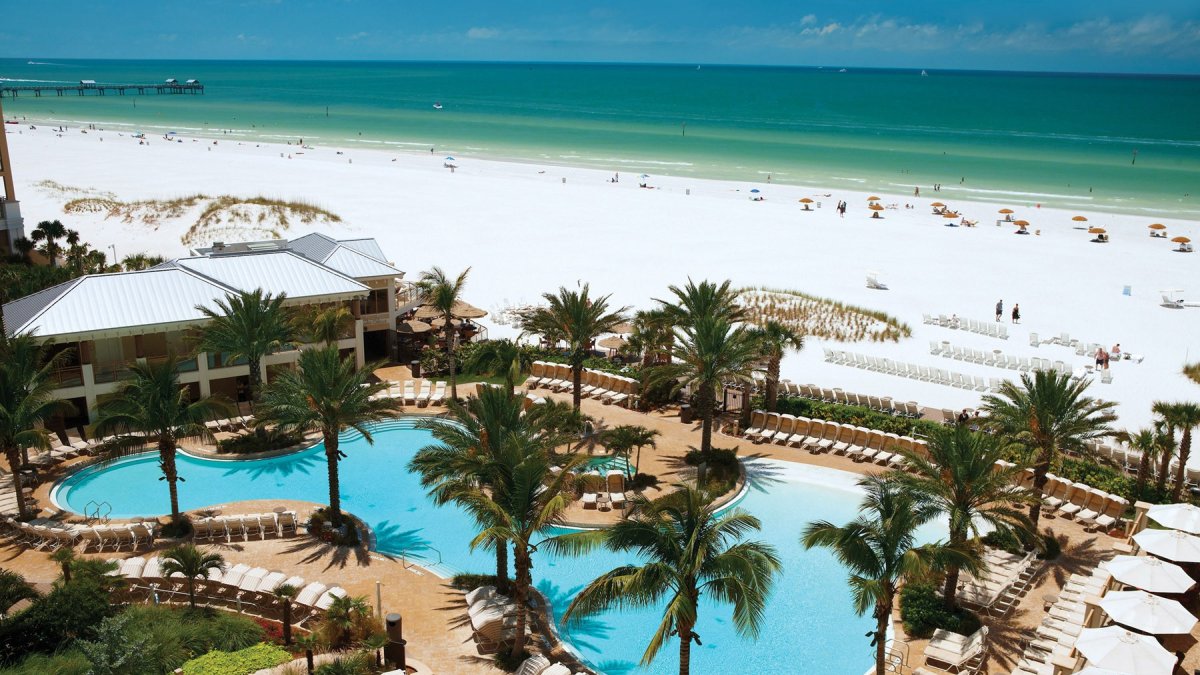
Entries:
{"x":1184,"y":417}
{"x":653,"y":334}
{"x":286,"y":594}
{"x":623,"y":439}
{"x":27,"y":402}
{"x":880,"y":550}
{"x":153,"y":404}
{"x":960,"y":480}
{"x":327,"y":394}
{"x":192,"y":564}
{"x":140,"y":261}
{"x":711,"y":352}
{"x":1048,"y":413}
{"x":577,"y":319}
{"x":1151,"y":442}
{"x":707,"y":299}
{"x":689,"y":549}
{"x":467,"y":452}
{"x":24,"y":246}
{"x":504,"y":358}
{"x":443,"y":293}
{"x":47,"y":233}
{"x":65,"y":557}
{"x":247,"y":325}
{"x":324,"y":325}
{"x":528,"y":501}
{"x":345,"y":614}
{"x":776,"y":339}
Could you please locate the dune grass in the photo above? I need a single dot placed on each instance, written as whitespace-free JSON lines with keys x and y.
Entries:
{"x":1193,"y":372}
{"x":821,"y":317}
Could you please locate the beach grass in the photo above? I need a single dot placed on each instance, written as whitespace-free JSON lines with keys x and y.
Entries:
{"x":1193,"y":372}
{"x":824,"y":318}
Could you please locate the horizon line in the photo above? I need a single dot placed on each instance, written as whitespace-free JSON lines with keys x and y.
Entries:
{"x":687,"y":64}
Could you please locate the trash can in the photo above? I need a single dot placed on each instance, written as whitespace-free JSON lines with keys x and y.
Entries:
{"x":393,"y":651}
{"x":415,"y":367}
{"x":685,"y":413}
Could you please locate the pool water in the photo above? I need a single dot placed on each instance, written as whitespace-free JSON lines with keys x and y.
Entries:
{"x":809,"y":625}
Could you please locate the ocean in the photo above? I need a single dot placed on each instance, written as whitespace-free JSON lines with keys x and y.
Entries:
{"x":1121,"y":143}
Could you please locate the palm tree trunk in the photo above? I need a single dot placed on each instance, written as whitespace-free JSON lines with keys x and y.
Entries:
{"x":287,"y":623}
{"x":255,"y":378}
{"x":335,"y":493}
{"x":772,"y":393}
{"x":883,"y":615}
{"x":191,"y":592}
{"x":1164,"y":466}
{"x":950,"y":591}
{"x":520,"y":597}
{"x":1185,"y":449}
{"x":706,"y":416}
{"x":1142,"y":473}
{"x":13,"y":455}
{"x":576,"y":384}
{"x":1039,"y":481}
{"x":308,"y":656}
{"x":166,"y":457}
{"x":685,"y":650}
{"x":449,"y":330}
{"x":744,"y":415}
{"x":502,"y":567}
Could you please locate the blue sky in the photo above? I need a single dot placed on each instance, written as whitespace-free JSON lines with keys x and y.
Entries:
{"x":1071,"y":35}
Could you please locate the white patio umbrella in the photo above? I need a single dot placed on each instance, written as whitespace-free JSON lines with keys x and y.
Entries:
{"x":1093,"y":670}
{"x":1170,"y":544}
{"x":1115,"y":648}
{"x":1145,"y":612}
{"x":1184,"y":517}
{"x":1150,"y":574}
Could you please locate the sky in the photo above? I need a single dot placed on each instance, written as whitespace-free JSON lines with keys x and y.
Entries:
{"x":1147,"y":36}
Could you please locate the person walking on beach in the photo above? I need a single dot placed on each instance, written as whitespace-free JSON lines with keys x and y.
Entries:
{"x":1016,"y":313}
{"x":999,"y":309}
{"x":917,"y":191}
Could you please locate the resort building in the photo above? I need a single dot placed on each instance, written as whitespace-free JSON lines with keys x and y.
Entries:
{"x":109,"y":321}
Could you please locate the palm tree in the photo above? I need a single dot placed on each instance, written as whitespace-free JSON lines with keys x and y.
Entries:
{"x":707,"y":299}
{"x":775,"y":340}
{"x":375,"y":642}
{"x":959,"y":479}
{"x":880,"y":550}
{"x":27,"y":402}
{"x":24,"y":246}
{"x":527,"y":502}
{"x":623,"y":439}
{"x":326,"y":394}
{"x":443,"y":293}
{"x":48,"y":232}
{"x":577,"y":319}
{"x":65,"y":557}
{"x":652,"y":335}
{"x":192,"y":564}
{"x":1048,"y":414}
{"x":711,"y":353}
{"x":689,"y":550}
{"x":153,"y":404}
{"x":345,"y":614}
{"x":247,"y":325}
{"x":501,"y":358}
{"x":309,"y":643}
{"x":135,"y":262}
{"x":1150,"y":442}
{"x":324,"y":325}
{"x":1180,"y":416}
{"x":286,"y":594}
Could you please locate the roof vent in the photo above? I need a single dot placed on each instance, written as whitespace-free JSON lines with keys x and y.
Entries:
{"x":218,"y":246}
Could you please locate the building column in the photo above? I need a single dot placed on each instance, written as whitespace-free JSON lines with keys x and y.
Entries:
{"x":202,"y":371}
{"x":360,"y":358}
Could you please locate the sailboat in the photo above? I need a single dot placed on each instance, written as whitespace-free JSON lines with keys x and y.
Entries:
{"x":924,"y":74}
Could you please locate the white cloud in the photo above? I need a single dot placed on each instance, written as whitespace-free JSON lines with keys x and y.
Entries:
{"x":482,"y":33}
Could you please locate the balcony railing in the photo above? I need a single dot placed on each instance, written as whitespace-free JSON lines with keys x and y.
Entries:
{"x":182,"y":365}
{"x":111,"y":371}
{"x":223,"y":361}
{"x":71,"y":376}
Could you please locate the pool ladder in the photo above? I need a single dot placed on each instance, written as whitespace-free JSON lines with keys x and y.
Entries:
{"x":95,"y":513}
{"x":405,"y":562}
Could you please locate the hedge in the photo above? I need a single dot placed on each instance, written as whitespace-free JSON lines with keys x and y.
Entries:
{"x":237,"y":663}
{"x":856,"y":415}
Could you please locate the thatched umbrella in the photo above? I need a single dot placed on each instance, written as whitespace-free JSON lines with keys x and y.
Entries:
{"x":412,"y":327}
{"x":613,"y":342}
{"x":461,"y":310}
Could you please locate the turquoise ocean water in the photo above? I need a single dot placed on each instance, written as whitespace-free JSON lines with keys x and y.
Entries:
{"x":1058,"y":139}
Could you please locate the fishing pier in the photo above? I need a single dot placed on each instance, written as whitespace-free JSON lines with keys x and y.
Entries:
{"x":91,"y":88}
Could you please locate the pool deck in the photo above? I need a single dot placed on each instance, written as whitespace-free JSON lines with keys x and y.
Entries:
{"x":433,"y":611}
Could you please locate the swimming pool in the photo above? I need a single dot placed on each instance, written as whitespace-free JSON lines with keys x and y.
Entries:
{"x":809,"y":626}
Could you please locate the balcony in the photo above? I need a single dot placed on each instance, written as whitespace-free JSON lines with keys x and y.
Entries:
{"x":222,"y":360}
{"x":181,"y":365}
{"x":71,"y":376}
{"x":111,"y":371}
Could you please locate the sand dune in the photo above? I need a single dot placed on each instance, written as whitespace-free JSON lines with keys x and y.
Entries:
{"x":526,"y":229}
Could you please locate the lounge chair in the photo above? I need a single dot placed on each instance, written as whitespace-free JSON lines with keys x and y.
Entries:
{"x":307,"y":597}
{"x":845,"y":438}
{"x":800,"y":432}
{"x":769,"y":428}
{"x":787,"y":424}
{"x":534,"y":665}
{"x":426,"y":392}
{"x":1080,"y":498}
{"x":615,"y":481}
{"x":329,"y":596}
{"x":1111,"y":514}
{"x":410,"y":393}
{"x":954,"y":650}
{"x":757,"y":420}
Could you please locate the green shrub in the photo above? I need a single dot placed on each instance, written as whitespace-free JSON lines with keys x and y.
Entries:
{"x":354,"y":664}
{"x":721,"y":468}
{"x":178,"y":634}
{"x":240,"y":662}
{"x":259,"y":440}
{"x":469,"y":582}
{"x":64,"y":663}
{"x":68,"y":613}
{"x":852,"y":414}
{"x":319,"y":526}
{"x":923,"y":611}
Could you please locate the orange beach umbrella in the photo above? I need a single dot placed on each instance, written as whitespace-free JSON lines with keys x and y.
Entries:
{"x":806,"y":200}
{"x":1097,"y":230}
{"x":1158,"y":226}
{"x":937,"y":204}
{"x":949,"y":215}
{"x":1182,"y":240}
{"x":872,"y":199}
{"x":1079,"y":219}
{"x":876,"y":207}
{"x":1022,"y":223}
{"x":1006,"y":211}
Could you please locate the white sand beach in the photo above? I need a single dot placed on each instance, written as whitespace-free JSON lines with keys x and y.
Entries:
{"x":524,"y":231}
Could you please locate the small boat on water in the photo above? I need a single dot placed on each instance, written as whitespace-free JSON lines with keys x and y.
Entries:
{"x":437,"y":106}
{"x":924,"y":74}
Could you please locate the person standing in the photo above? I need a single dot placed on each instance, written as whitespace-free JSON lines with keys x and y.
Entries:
{"x":1016,"y":313}
{"x":999,"y":309}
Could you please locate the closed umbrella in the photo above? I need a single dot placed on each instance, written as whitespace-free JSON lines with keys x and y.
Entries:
{"x":1173,"y":545}
{"x":1150,"y":574}
{"x":1148,"y":613}
{"x":1115,"y":648}
{"x":1184,"y":517}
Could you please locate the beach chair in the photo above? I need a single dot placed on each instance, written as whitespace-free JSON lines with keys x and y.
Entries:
{"x":1111,"y":514}
{"x":816,"y":431}
{"x":769,"y":428}
{"x":799,"y":432}
{"x":616,"y":488}
{"x":410,"y":393}
{"x":956,"y":651}
{"x":828,"y":436}
{"x":1080,"y":498}
{"x":537,"y":370}
{"x":307,"y":597}
{"x":787,"y":424}
{"x":858,"y":443}
{"x":844,"y":440}
{"x":758,"y":419}
{"x":131,"y":568}
{"x":424,"y":394}
{"x":875,"y":445}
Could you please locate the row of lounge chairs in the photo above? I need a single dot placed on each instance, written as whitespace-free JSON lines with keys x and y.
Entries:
{"x":817,"y":436}
{"x":429,"y":393}
{"x":231,"y":424}
{"x":883,"y":404}
{"x":493,"y":619}
{"x":956,"y":653}
{"x":1055,"y":637}
{"x":989,"y":328}
{"x":911,"y":371}
{"x":606,"y":387}
{"x":42,"y":534}
{"x":1095,"y":508}
{"x":239,"y":583}
{"x":244,"y":527}
{"x":611,"y":485}
{"x":995,"y":358}
{"x":1009,"y":576}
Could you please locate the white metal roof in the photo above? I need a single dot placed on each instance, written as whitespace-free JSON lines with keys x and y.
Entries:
{"x":358,"y":258}
{"x":274,"y":272}
{"x":368,"y":246}
{"x":352,"y":263}
{"x":100,"y":303}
